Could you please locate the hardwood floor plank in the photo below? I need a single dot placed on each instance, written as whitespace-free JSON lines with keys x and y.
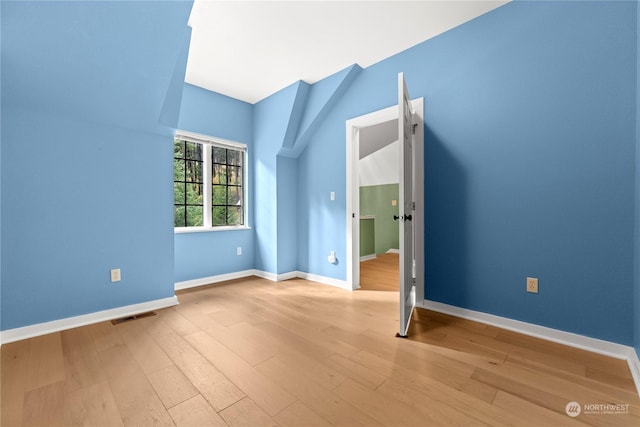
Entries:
{"x":136,"y":399}
{"x":564,"y":387}
{"x":425,"y":373}
{"x":618,"y":393}
{"x":247,"y":350}
{"x":44,"y":406}
{"x":553,"y":395}
{"x":227,"y":317}
{"x":404,"y":355}
{"x":104,"y":336}
{"x":46,"y":361}
{"x":542,"y":416}
{"x":82,"y":364}
{"x":92,"y":406}
{"x":456,"y":407}
{"x":299,"y":414}
{"x":172,"y":386}
{"x":177,"y":322}
{"x":622,"y":381}
{"x":246,"y":413}
{"x":144,"y":349}
{"x":196,"y":412}
{"x":15,"y":358}
{"x":381,"y":273}
{"x":262,"y":391}
{"x":214,"y":387}
{"x":319,"y":372}
{"x":383,"y":408}
{"x":357,"y":372}
{"x":320,"y":400}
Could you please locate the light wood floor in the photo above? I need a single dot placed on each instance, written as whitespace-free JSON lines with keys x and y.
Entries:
{"x":257,"y":353}
{"x":380,"y":273}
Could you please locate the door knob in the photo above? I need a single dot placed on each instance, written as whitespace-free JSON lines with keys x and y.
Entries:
{"x":407,"y":217}
{"x":396,"y":217}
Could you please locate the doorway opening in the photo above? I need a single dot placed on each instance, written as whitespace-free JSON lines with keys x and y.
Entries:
{"x":378,"y":182}
{"x":378,"y":130}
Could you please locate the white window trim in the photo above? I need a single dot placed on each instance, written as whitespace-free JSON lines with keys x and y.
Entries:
{"x":204,"y":229}
{"x":208,"y":142}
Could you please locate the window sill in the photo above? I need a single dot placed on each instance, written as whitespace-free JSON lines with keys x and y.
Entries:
{"x":184,"y":230}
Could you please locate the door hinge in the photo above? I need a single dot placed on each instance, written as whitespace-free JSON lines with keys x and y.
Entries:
{"x":413,"y":206}
{"x":413,"y":128}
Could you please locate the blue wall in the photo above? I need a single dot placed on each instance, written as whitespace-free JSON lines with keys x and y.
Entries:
{"x":529,"y":164}
{"x":273,"y":118}
{"x":287,"y":190}
{"x":205,"y":254}
{"x":87,"y":154}
{"x":636,"y":310}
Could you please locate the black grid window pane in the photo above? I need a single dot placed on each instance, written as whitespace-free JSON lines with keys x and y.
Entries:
{"x":194,"y":216}
{"x":227,"y":207}
{"x":180,"y":216}
{"x":219,"y":155}
{"x":219,"y":215}
{"x":234,"y":215}
{"x":219,"y":174}
{"x":188,"y":183}
{"x":234,"y":175}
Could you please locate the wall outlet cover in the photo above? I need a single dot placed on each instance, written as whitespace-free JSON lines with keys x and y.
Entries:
{"x":115,"y":275}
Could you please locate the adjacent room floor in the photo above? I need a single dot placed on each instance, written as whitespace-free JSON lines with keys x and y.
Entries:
{"x":296,"y":353}
{"x":380,"y":273}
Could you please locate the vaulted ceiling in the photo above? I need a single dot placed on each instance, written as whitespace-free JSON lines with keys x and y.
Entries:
{"x":249,"y":50}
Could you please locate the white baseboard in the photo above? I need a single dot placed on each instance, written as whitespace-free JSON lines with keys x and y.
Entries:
{"x":263,"y":274}
{"x":393,"y":251}
{"x":607,"y":348}
{"x":368,"y":257}
{"x":213,"y":279}
{"x":275,"y":277}
{"x":17,"y":334}
{"x":342,"y":284}
{"x":634,"y":367}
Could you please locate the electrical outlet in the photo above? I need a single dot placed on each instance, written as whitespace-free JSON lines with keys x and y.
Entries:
{"x":239,"y":250}
{"x":532,"y":285}
{"x":115,"y":275}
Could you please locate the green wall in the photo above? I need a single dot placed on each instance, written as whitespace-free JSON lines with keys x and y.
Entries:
{"x":367,"y":237}
{"x":376,"y":200}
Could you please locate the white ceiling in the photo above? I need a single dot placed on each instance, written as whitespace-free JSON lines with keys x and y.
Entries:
{"x":251,"y":49}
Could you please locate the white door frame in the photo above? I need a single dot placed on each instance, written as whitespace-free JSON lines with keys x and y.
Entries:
{"x":353,"y":191}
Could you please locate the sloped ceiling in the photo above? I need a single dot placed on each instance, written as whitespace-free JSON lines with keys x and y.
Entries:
{"x":250,"y":49}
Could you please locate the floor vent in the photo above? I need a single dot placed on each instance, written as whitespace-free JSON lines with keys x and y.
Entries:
{"x":134,"y":317}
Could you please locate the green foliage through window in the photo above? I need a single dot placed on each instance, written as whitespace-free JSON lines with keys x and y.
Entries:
{"x":227,"y":186}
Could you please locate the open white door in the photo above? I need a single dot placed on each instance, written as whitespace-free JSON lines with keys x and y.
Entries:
{"x":407,"y":207}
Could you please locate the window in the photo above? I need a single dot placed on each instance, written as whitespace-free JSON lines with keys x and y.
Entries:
{"x":208,"y":182}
